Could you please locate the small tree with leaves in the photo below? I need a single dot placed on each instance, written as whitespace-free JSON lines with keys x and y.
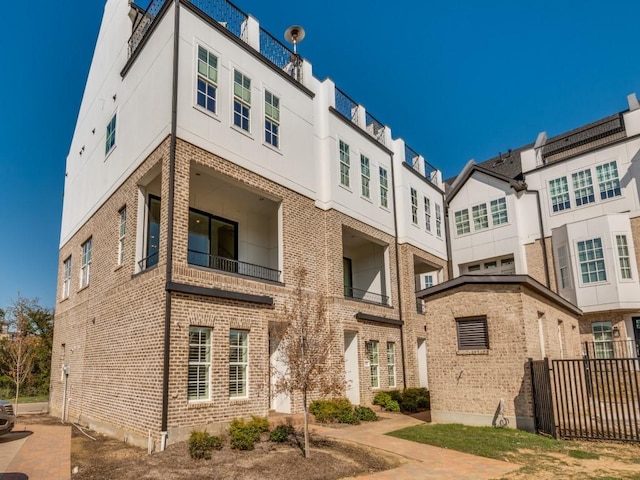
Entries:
{"x":305,"y":339}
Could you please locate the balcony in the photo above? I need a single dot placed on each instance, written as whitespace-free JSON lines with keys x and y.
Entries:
{"x":232,"y":229}
{"x":415,"y":161}
{"x":365,"y":268}
{"x":352,"y":111}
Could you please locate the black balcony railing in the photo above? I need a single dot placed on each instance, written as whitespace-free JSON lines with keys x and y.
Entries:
{"x":280,"y":55}
{"x":346,"y":106}
{"x":375,"y":128}
{"x":230,"y":265}
{"x":411,"y":157}
{"x":148,"y":261}
{"x":142,"y":22}
{"x":366,"y":296}
{"x":612,"y":349}
{"x":225,"y":13}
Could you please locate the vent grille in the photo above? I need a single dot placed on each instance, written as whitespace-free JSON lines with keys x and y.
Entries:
{"x":473,"y":333}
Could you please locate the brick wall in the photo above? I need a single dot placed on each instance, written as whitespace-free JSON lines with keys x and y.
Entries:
{"x":535,"y":262}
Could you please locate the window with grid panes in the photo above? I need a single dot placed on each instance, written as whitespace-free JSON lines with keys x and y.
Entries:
{"x":563,"y":264}
{"x":365,"y":176}
{"x":199,"y":369}
{"x":207,"y":80}
{"x":427,"y":214}
{"x":384,"y":188}
{"x":391,"y":364}
{"x":559,"y":192}
{"x":583,"y":187}
{"x":462,"y":222}
{"x":238,"y":363}
{"x":271,"y":119}
{"x":345,"y":164}
{"x":414,"y":206}
{"x":85,"y":265}
{"x":374,"y":360}
{"x":241,"y":101}
{"x":66,"y":278}
{"x":591,"y":260}
{"x":122,"y":233}
{"x":608,"y":181}
{"x":480,"y":217}
{"x":438,"y":221}
{"x":499,"y":211}
{"x":110,"y":141}
{"x":623,"y":256}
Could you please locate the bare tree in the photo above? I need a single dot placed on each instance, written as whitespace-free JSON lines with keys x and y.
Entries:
{"x":304,"y":350}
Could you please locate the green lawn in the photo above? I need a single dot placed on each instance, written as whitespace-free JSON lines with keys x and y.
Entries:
{"x":36,"y":399}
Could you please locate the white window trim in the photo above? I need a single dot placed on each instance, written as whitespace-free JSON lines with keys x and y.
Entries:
{"x":122,"y":234}
{"x":363,"y":176}
{"x":374,"y":366}
{"x":206,"y":363}
{"x":66,"y":277}
{"x":427,"y":214}
{"x":415,"y":210}
{"x":196,"y":75}
{"x":550,"y":196}
{"x":490,"y":212}
{"x":630,"y":256}
{"x":249,"y":105}
{"x":277,"y":122}
{"x":85,"y":263}
{"x":384,"y":188}
{"x":245,"y":364}
{"x":391,"y":365}
{"x":438,"y":209}
{"x":108,"y":153}
{"x":579,"y":264}
{"x":348,"y":165}
{"x":566,"y":266}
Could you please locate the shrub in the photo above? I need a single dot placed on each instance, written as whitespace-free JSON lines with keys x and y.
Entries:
{"x":365,"y":414}
{"x":328,"y":411}
{"x":381,"y":398}
{"x":392,"y":406}
{"x":201,"y":444}
{"x":281,"y":433}
{"x":243,"y":435}
{"x":409,"y":404}
{"x":259,"y":424}
{"x":395,"y":395}
{"x":419,"y":396}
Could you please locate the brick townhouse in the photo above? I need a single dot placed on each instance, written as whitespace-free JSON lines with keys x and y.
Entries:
{"x":208,"y":164}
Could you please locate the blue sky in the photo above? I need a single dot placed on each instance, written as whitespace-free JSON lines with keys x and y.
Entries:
{"x":457,"y":80}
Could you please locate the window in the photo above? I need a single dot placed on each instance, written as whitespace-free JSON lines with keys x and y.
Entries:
{"x":85,"y":269}
{"x":623,"y":256}
{"x":375,"y":364}
{"x":384,"y":188}
{"x":391,"y":363}
{"x":414,"y":206}
{"x":491,"y":265}
{"x":438,"y":221}
{"x":152,"y":243}
{"x":241,"y":100}
{"x":602,"y":339}
{"x":427,"y":214}
{"x":591,"y":259}
{"x":499,"y":211}
{"x":66,"y":278}
{"x":110,"y":142}
{"x":480,"y":218}
{"x":559,"y":191}
{"x":344,"y":164}
{"x":123,"y":231}
{"x":462,"y":222}
{"x":563,"y":265}
{"x":365,"y":175}
{"x":608,"y":182}
{"x":199,"y":374}
{"x":271,"y":119}
{"x":212,"y":242}
{"x":473,"y":268}
{"x":472,"y":333}
{"x":428,"y":281}
{"x":207,"y":80}
{"x":238,"y":363}
{"x":583,"y":187}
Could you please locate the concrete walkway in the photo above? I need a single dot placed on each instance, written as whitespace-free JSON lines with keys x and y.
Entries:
{"x":36,"y":452}
{"x":423,"y":461}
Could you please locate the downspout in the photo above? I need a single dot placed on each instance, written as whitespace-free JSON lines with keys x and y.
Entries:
{"x":170,"y":201}
{"x":447,"y":237}
{"x":395,"y":229}
{"x":542,"y":237}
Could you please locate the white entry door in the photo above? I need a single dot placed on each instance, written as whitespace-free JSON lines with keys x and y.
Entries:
{"x":422,"y":362}
{"x":351,"y":367}
{"x":281,"y":402}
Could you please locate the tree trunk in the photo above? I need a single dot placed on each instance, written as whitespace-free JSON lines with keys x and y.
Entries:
{"x":306,"y":425}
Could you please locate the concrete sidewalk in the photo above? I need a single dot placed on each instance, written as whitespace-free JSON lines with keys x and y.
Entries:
{"x":36,"y":452}
{"x":423,"y":461}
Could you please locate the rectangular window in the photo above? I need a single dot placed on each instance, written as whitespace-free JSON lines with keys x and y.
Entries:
{"x":110,"y":142}
{"x":583,"y":187}
{"x":66,"y":278}
{"x":345,"y":164}
{"x":428,"y":281}
{"x":123,"y":232}
{"x":559,"y":191}
{"x":480,"y":217}
{"x":427,"y":214}
{"x":473,"y":268}
{"x":212,"y":242}
{"x":499,"y":211}
{"x":152,"y":242}
{"x":623,"y":256}
{"x":591,"y":259}
{"x":608,"y":182}
{"x":473,"y":333}
{"x":384,"y":188}
{"x":85,"y":269}
{"x":199,"y":373}
{"x":207,"y":80}
{"x":391,"y":364}
{"x":365,"y":175}
{"x":414,"y":206}
{"x":374,"y":359}
{"x":241,"y":101}
{"x":462,"y":222}
{"x":563,"y":264}
{"x":490,"y":265}
{"x":602,"y":339}
{"x":438,"y":221}
{"x":238,"y":363}
{"x":271,"y":119}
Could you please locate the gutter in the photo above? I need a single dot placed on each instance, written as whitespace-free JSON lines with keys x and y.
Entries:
{"x":395,"y":229}
{"x":170,"y":201}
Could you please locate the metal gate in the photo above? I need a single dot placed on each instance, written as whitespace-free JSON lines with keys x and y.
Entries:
{"x":587,"y":398}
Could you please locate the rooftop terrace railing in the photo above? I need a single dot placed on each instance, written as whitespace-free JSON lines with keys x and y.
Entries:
{"x":375,"y":128}
{"x":225,"y":13}
{"x":411,"y":157}
{"x":346,"y":106}
{"x":280,"y":55}
{"x":143,"y":22}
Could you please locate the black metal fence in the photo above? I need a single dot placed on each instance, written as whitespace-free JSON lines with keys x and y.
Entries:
{"x":590,"y":398}
{"x":612,"y":349}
